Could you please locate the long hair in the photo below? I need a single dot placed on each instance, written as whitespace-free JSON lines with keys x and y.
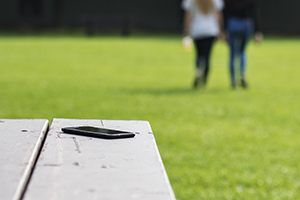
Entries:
{"x":205,"y":6}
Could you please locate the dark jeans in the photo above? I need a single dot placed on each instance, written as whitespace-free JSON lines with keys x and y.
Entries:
{"x":203,"y":49}
{"x":240,"y":31}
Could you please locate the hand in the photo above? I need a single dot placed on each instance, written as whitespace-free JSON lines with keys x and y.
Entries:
{"x":222,"y":36}
{"x":258,"y":37}
{"x":187,"y":42}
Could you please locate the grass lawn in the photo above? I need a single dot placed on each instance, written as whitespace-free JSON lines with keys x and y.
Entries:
{"x":216,"y":143}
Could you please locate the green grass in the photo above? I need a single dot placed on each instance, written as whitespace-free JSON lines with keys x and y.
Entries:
{"x":216,"y":143}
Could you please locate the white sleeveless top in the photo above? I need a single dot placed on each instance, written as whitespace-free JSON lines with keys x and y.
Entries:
{"x":203,"y":25}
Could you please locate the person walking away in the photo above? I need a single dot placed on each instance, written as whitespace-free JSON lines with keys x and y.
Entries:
{"x":240,"y":20}
{"x":202,"y":23}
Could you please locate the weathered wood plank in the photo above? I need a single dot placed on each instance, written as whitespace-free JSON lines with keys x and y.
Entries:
{"x":78,"y":167}
{"x":20,"y":142}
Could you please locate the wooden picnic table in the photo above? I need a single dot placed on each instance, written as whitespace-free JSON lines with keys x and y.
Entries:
{"x":20,"y":142}
{"x":80,"y":167}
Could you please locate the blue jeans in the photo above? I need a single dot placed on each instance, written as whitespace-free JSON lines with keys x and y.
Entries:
{"x":240,"y":31}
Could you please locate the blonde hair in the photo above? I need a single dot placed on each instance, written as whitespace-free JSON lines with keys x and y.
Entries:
{"x":205,"y":6}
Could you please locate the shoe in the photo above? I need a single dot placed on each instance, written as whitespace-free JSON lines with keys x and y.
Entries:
{"x":198,"y":82}
{"x":244,"y":83}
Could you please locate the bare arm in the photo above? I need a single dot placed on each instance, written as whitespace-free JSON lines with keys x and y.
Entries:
{"x":220,"y":20}
{"x":187,"y":23}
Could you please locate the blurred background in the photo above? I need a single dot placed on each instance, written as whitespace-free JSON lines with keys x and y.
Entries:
{"x":276,"y":16}
{"x":215,"y":143}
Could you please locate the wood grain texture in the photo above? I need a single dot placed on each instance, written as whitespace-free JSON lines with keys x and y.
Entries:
{"x":20,"y":143}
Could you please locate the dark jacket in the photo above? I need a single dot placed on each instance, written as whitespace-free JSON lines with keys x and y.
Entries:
{"x":242,"y":9}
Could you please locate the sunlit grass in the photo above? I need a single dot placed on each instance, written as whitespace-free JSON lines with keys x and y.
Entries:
{"x":216,"y":143}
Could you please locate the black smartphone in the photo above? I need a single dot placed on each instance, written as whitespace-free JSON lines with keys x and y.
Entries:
{"x":98,"y":132}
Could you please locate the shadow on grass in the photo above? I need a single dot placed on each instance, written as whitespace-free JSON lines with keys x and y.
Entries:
{"x":172,"y":91}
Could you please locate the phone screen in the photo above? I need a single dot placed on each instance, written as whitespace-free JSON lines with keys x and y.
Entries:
{"x":98,"y":132}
